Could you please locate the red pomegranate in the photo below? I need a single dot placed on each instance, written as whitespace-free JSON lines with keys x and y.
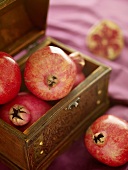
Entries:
{"x":107,"y":140}
{"x":4,"y":54}
{"x":10,"y":78}
{"x":79,"y":78}
{"x":78,"y":60}
{"x":23,"y":110}
{"x":50,"y":73}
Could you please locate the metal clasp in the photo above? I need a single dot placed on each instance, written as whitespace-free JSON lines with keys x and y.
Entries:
{"x":75,"y":103}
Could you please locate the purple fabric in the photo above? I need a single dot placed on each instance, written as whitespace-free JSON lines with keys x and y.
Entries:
{"x":69,"y":22}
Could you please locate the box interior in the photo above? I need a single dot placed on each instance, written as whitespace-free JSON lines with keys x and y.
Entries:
{"x":21,"y":23}
{"x":89,"y":69}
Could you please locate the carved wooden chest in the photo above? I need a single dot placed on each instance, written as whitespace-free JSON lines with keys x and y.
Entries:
{"x":68,"y":118}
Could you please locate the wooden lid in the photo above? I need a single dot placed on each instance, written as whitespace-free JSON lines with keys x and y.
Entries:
{"x":21,"y":23}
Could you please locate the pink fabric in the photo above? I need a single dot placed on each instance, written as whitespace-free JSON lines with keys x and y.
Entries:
{"x":69,"y":22}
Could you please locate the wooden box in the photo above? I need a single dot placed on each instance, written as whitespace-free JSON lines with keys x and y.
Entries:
{"x":22,"y":24}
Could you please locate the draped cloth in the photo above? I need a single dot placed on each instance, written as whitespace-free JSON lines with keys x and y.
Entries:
{"x":69,"y":21}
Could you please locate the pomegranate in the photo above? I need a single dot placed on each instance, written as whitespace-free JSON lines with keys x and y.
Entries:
{"x":80,"y":63}
{"x":105,"y":39}
{"x":79,"y":78}
{"x":50,"y":73}
{"x":78,"y":60}
{"x":10,"y":78}
{"x":107,"y":140}
{"x":23,"y":110}
{"x":4,"y":54}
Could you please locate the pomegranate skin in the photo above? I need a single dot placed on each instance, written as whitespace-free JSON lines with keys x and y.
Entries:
{"x":4,"y":54}
{"x":107,"y":140}
{"x":50,"y":73}
{"x":10,"y":79}
{"x":79,"y":78}
{"x":78,"y":60}
{"x":34,"y":105}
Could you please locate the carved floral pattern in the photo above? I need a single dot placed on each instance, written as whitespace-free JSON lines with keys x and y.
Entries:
{"x":62,"y":124}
